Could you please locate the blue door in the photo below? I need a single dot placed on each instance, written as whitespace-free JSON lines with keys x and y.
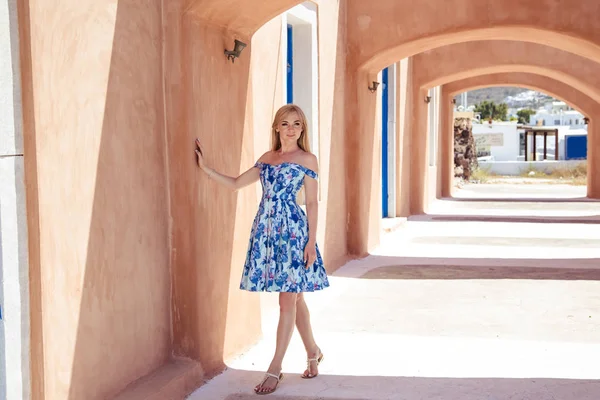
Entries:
{"x":290,"y":65}
{"x":384,"y":143}
{"x":576,"y":147}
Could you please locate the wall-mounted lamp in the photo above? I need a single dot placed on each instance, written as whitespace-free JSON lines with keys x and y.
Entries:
{"x":586,"y":120}
{"x":373,"y":88}
{"x":427,"y":99}
{"x":237,"y":49}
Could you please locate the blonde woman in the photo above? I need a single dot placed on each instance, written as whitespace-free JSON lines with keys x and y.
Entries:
{"x":283,"y":255}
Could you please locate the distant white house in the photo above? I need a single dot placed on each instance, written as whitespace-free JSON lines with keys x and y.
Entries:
{"x":505,"y":141}
{"x":558,"y":113}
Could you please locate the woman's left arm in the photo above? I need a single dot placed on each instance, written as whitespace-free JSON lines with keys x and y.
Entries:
{"x":312,"y":210}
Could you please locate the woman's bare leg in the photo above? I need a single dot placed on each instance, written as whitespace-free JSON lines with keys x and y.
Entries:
{"x":306,"y":333}
{"x":285,"y":328}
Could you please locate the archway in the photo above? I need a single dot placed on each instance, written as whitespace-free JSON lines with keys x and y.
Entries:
{"x":445,"y":64}
{"x":370,"y":53}
{"x":382,"y":32}
{"x":537,"y":82}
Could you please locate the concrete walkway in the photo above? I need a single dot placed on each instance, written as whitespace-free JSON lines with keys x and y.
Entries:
{"x":452,"y":309}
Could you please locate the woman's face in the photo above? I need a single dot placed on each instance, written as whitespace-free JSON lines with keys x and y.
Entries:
{"x":290,"y":127}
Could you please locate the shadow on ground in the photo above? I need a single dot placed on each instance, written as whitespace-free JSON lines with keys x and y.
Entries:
{"x":464,"y":272}
{"x":522,"y":199}
{"x":585,"y":219}
{"x":389,"y":267}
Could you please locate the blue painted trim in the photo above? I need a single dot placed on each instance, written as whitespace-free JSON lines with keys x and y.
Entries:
{"x":384,"y":143}
{"x":290,"y":64}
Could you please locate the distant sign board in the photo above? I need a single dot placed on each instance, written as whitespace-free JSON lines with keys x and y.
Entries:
{"x":489,"y":139}
{"x":485,"y":141}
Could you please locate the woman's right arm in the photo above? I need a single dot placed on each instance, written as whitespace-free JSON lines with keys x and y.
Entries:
{"x":250,"y":176}
{"x":235,"y":184}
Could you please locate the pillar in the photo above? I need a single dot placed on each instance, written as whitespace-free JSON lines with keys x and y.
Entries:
{"x":419,"y":151}
{"x":403,"y":141}
{"x":446,"y":166}
{"x":363,"y":149}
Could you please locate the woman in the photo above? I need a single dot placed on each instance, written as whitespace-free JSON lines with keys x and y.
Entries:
{"x":283,"y":255}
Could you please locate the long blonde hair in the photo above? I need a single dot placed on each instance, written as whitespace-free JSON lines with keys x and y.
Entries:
{"x":279,"y":115}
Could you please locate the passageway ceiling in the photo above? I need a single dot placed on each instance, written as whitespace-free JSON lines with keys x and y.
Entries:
{"x":383,"y":32}
{"x":243,"y":17}
{"x":489,"y":34}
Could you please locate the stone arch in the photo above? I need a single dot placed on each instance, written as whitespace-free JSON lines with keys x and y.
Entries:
{"x":431,"y":68}
{"x":546,"y":84}
{"x":383,"y":32}
{"x":379,"y":33}
{"x":445,"y":64}
{"x":439,"y":67}
{"x":541,"y":83}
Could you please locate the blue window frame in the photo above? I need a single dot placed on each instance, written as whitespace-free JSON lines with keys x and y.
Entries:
{"x":384,"y":143}
{"x":290,"y":64}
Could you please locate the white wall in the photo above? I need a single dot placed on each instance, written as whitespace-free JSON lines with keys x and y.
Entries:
{"x":515,"y":168}
{"x":572,"y":119}
{"x":510,"y":150}
{"x":14,"y":265}
{"x":303,"y":19}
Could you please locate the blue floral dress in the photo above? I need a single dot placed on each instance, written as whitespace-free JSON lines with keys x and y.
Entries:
{"x":274,"y":262}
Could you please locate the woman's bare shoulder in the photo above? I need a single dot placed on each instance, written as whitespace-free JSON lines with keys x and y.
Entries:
{"x":266,"y":157}
{"x":309,"y":160}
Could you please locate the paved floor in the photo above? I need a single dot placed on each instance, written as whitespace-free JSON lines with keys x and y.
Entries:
{"x":470,"y":308}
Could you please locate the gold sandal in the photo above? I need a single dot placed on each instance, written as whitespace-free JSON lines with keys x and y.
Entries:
{"x":308,"y":361}
{"x":267,"y":376}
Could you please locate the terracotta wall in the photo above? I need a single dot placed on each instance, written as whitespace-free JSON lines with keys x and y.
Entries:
{"x":135,"y":255}
{"x":95,"y":147}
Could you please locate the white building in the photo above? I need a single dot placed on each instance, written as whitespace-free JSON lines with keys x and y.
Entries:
{"x":504,"y":141}
{"x":558,"y":113}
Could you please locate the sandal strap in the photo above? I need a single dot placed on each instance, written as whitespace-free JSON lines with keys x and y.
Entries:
{"x":268,"y":374}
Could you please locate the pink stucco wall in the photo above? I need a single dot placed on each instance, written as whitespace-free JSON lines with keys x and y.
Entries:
{"x":135,"y":256}
{"x":95,"y":148}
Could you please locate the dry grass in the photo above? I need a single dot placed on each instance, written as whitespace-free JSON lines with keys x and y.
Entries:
{"x":576,"y":175}
{"x":481,"y":175}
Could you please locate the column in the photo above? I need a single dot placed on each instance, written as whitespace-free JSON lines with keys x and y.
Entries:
{"x":403,"y":142}
{"x":419,"y":151}
{"x":446,"y":167}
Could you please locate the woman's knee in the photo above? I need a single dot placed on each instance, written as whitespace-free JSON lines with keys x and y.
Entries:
{"x":287,"y":301}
